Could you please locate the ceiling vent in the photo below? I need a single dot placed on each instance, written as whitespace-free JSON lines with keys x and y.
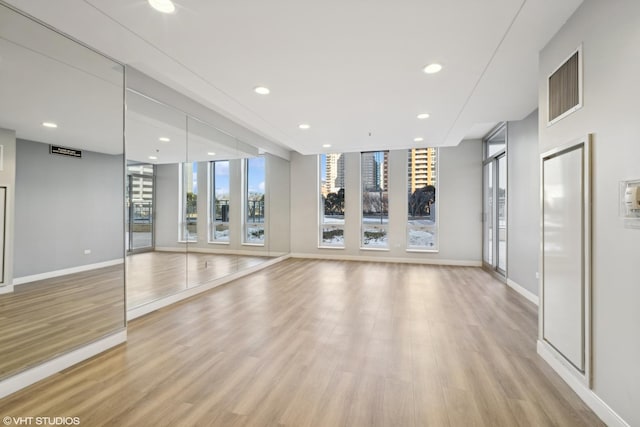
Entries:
{"x":564,"y":88}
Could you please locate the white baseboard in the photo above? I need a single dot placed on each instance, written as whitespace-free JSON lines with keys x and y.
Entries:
{"x":220,"y":251}
{"x":430,"y":261}
{"x":524,"y":292}
{"x":6,"y":289}
{"x":50,"y":274}
{"x":593,"y":401}
{"x":53,"y":366}
{"x":136,"y":312}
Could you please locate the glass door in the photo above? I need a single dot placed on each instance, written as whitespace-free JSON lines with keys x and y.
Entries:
{"x":494,"y":250}
{"x":488,"y":248}
{"x":140,"y":212}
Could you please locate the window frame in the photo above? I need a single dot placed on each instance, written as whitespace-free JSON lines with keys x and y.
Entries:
{"x":245,"y":204}
{"x":183,"y":234}
{"x":212,"y":203}
{"x":384,"y":226}
{"x":320,"y":209}
{"x":436,"y":225}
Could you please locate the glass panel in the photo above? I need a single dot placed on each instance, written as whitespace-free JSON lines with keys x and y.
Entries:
{"x":220,"y":208}
{"x":488,"y":214}
{"x":189,"y":199}
{"x":332,"y":200}
{"x":140,"y":212}
{"x":496,"y":143}
{"x":374,"y":172}
{"x":254,"y":201}
{"x":422,"y":230}
{"x":156,"y":150}
{"x":502,"y":213}
{"x":63,"y":265}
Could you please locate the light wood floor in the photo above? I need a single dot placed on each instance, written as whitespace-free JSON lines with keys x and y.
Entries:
{"x":323,"y":343}
{"x":154,"y":275}
{"x":46,"y":318}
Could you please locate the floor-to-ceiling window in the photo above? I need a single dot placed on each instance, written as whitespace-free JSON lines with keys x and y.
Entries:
{"x":219,"y":201}
{"x":422,"y":226}
{"x":189,"y":202}
{"x":495,"y":200}
{"x":374,"y":177}
{"x":331,"y":215}
{"x":254,"y":192}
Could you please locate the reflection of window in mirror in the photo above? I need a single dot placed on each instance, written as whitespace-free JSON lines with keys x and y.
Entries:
{"x":188,"y":197}
{"x":219,"y":192}
{"x":254,"y":193}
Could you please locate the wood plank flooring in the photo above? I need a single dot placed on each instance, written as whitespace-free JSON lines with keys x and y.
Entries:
{"x":46,"y":318}
{"x":323,"y":343}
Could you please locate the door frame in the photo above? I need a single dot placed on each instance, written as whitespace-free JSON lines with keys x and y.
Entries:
{"x":150,"y":248}
{"x":494,"y":159}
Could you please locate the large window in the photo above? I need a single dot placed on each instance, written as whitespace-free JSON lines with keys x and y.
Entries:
{"x":254,"y":200}
{"x":374,"y":175}
{"x":422,"y":226}
{"x":331,"y":200}
{"x":188,"y":184}
{"x":219,"y":201}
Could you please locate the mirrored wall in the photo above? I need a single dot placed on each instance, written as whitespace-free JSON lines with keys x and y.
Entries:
{"x":201,"y":204}
{"x":61,"y":181}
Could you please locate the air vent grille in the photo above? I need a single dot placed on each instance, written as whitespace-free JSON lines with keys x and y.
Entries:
{"x":565,"y":88}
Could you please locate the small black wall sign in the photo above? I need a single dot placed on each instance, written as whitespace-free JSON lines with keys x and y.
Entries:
{"x":63,"y":151}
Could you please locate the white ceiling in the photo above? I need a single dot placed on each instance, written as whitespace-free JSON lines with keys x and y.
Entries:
{"x":351,"y":69}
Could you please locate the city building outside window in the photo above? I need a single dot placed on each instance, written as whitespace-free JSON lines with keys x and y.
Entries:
{"x":332,"y":200}
{"x":374,"y":177}
{"x":422,"y":206}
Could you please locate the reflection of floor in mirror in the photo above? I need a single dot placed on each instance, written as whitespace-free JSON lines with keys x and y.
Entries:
{"x":46,"y":318}
{"x":154,"y":275}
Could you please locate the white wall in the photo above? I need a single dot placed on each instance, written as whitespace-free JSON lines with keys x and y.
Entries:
{"x":523,"y":232}
{"x":459,"y":197}
{"x":277,"y":204}
{"x":610,"y":33}
{"x":64,"y":206}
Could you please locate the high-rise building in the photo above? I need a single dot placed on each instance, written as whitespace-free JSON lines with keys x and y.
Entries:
{"x":375,"y":173}
{"x":422,"y":168}
{"x":334,"y":180}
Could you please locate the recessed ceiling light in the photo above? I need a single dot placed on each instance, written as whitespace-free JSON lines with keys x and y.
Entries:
{"x":211,"y":153}
{"x":432,"y":68}
{"x":326,"y":145}
{"x":164,"y":6}
{"x":261,"y":90}
{"x":423,"y":116}
{"x":49,"y":125}
{"x":164,"y":139}
{"x":418,"y":139}
{"x":304,"y":126}
{"x":153,"y":158}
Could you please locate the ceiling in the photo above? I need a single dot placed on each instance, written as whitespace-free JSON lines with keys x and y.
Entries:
{"x":351,"y":70}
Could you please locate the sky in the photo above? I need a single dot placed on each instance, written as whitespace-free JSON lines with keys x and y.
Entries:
{"x":256,"y":176}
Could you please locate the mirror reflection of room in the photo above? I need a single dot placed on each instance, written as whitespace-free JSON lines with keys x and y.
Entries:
{"x":61,"y":159}
{"x":196,"y":202}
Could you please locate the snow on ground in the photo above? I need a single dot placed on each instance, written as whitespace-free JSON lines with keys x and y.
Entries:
{"x":421,"y":238}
